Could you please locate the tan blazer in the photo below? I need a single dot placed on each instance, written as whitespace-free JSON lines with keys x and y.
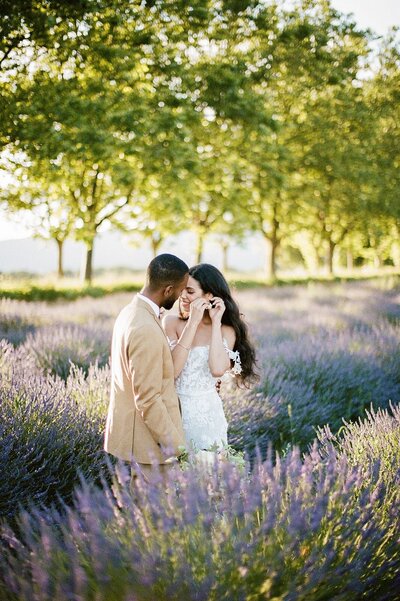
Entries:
{"x":144,"y":418}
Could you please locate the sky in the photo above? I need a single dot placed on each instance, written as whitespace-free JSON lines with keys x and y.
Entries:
{"x":378,"y":15}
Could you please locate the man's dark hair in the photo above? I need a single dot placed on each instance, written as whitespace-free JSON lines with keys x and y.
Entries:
{"x":165,"y":269}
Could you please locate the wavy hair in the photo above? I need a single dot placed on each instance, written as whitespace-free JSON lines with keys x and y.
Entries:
{"x":212,"y":281}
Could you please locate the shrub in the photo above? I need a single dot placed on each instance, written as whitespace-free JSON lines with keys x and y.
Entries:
{"x":47,"y":432}
{"x":55,"y":349}
{"x":15,"y":321}
{"x":367,"y":442}
{"x":321,"y":378}
{"x":29,"y":292}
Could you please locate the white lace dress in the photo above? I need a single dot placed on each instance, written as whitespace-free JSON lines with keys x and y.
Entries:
{"x":203,"y":417}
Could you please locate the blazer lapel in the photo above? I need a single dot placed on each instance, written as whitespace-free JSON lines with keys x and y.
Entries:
{"x":147,"y":307}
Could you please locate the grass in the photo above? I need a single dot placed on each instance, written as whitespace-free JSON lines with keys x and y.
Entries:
{"x":28,"y":287}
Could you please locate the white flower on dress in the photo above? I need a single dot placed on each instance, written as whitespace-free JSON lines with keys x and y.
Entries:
{"x":237,"y":364}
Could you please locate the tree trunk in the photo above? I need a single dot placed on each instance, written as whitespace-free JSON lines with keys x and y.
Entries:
{"x":199,"y":246}
{"x":272,"y":247}
{"x":395,"y":254}
{"x":60,"y":248}
{"x":155,"y":244}
{"x":88,"y":270}
{"x":331,"y":252}
{"x":225,"y":262}
{"x":319,"y":258}
{"x":349,"y":260}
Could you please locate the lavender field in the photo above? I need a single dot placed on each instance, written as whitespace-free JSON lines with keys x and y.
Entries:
{"x":314,"y":516}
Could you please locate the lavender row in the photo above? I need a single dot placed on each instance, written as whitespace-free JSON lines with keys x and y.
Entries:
{"x":321,"y":526}
{"x":316,"y":379}
{"x":324,"y":355}
{"x":49,"y":430}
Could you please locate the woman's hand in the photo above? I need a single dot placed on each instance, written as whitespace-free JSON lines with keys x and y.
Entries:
{"x":197,"y":308}
{"x":217,"y":308}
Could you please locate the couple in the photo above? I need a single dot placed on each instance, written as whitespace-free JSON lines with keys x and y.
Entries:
{"x":154,"y":362}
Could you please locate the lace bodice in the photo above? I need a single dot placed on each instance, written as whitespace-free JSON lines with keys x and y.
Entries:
{"x":196,"y":375}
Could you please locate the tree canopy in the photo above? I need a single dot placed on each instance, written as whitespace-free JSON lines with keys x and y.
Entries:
{"x":216,"y":116}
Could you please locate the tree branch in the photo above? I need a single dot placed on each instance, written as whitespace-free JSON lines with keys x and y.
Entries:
{"x":115,"y":210}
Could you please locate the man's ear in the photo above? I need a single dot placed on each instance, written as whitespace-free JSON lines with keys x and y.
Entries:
{"x":168,"y":290}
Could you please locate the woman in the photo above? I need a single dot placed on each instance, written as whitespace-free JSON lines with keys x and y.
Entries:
{"x":208,"y":339}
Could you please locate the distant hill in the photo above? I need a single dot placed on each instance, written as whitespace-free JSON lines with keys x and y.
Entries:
{"x":113,"y":250}
{"x":38,"y":256}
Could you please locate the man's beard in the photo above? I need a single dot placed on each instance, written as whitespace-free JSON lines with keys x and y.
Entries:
{"x":168,"y":303}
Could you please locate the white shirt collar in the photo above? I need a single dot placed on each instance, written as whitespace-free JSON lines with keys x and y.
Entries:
{"x":152,"y":304}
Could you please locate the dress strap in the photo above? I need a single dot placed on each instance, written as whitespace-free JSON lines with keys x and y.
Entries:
{"x":172,"y":343}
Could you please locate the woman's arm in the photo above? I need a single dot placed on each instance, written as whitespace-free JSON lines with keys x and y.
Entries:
{"x":218,"y":359}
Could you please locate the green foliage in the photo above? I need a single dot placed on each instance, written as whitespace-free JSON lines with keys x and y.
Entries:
{"x":51,"y":293}
{"x":223,"y":117}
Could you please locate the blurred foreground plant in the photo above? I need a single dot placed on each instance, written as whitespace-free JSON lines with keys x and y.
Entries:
{"x":311,"y":528}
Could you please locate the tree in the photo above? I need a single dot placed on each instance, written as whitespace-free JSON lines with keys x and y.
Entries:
{"x":337,"y":169}
{"x":305,"y":51}
{"x":155,"y":214}
{"x":43,"y":196}
{"x":208,"y":195}
{"x":88,"y":111}
{"x":382,"y":92}
{"x":27,"y":29}
{"x":232,"y":227}
{"x":112,"y":97}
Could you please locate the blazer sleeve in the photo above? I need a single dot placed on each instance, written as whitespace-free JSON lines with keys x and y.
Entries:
{"x":146,"y":367}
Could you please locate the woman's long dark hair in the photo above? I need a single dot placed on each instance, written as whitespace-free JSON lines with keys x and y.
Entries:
{"x":211,"y":280}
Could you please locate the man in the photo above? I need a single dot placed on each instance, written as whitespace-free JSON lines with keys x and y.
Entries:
{"x":144,"y":421}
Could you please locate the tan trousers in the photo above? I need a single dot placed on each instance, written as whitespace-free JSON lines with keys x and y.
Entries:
{"x":149,"y":472}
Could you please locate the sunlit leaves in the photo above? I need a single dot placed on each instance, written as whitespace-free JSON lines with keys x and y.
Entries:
{"x":267,"y":110}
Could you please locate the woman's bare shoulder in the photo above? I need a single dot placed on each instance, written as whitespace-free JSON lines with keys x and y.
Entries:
{"x":171,"y":318}
{"x":229,"y":335}
{"x":173,"y":324}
